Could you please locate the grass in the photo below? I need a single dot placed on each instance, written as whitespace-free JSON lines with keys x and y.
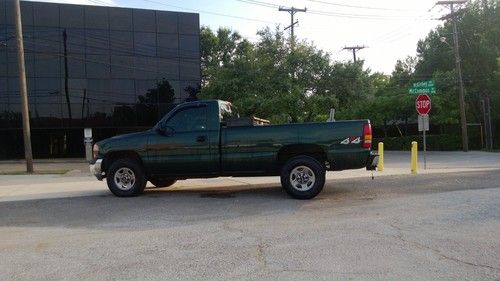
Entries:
{"x":40,"y":172}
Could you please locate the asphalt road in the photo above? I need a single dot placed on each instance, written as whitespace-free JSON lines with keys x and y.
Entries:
{"x":426,"y":227}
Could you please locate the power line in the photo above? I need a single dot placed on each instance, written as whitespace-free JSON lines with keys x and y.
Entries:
{"x":332,"y":14}
{"x":260,"y":3}
{"x":363,"y":16}
{"x":210,"y":13}
{"x":359,"y":7}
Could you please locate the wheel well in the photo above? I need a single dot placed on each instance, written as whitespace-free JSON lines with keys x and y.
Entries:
{"x":311,"y":150}
{"x":112,"y":156}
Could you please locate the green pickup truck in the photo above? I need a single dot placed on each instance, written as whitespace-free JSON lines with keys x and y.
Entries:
{"x":204,"y":139}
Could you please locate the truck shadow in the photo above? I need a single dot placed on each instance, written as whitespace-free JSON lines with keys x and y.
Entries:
{"x":165,"y":208}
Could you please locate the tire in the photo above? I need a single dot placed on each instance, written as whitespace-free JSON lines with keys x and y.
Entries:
{"x":162,"y":182}
{"x":303,"y":177}
{"x":125,"y":177}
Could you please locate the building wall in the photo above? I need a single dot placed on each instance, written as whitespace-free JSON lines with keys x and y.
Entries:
{"x":113,"y":69}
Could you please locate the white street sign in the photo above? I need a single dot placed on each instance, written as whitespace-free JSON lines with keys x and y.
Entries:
{"x":423,"y":122}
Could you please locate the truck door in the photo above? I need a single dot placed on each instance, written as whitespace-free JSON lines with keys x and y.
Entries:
{"x":186,"y":149}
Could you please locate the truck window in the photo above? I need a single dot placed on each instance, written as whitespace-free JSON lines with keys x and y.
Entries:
{"x":189,"y":119}
{"x":227,"y":111}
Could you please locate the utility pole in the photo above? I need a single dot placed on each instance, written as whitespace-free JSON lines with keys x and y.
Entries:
{"x":23,"y":88}
{"x":461,"y":99}
{"x":354,"y":49}
{"x":485,"y":104}
{"x":292,"y":12}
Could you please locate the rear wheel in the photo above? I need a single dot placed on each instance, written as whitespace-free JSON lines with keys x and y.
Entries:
{"x":125,"y":177}
{"x":162,"y":182}
{"x":303,"y":177}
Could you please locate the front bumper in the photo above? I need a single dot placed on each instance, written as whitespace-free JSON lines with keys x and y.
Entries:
{"x":95,"y":168}
{"x":372,"y":162}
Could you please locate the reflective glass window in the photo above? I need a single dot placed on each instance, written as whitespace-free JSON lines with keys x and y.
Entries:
{"x":166,"y":22}
{"x":189,"y":46}
{"x":3,"y":18}
{"x":189,"y":23}
{"x":168,"y":68}
{"x":145,"y":91}
{"x":190,"y":69}
{"x":97,"y":41}
{"x":48,"y":91}
{"x":98,"y":90}
{"x":46,"y":14}
{"x":122,"y":66}
{"x":122,"y":91}
{"x":78,"y":92}
{"x":123,"y":115}
{"x":188,"y":89}
{"x":144,"y":20}
{"x":76,"y":66}
{"x":121,"y":43}
{"x":72,"y":16}
{"x":98,"y":66}
{"x":47,"y":65}
{"x":168,"y":45}
{"x":47,"y":40}
{"x":96,"y":17}
{"x":3,"y":62}
{"x":27,"y":13}
{"x":145,"y":43}
{"x":120,"y":19}
{"x":145,"y":68}
{"x":75,"y":41}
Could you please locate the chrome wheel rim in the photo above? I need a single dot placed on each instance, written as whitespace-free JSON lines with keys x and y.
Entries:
{"x":302,"y":178}
{"x":124,"y":178}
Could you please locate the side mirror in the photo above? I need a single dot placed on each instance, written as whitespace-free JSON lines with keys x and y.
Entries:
{"x":164,"y":130}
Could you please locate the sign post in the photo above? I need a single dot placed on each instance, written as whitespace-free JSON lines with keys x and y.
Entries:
{"x":87,"y":140}
{"x":423,"y":106}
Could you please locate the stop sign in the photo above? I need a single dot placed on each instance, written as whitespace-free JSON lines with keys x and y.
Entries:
{"x":423,"y":104}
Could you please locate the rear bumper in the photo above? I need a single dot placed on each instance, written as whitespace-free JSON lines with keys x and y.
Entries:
{"x":372,"y":162}
{"x":95,"y":168}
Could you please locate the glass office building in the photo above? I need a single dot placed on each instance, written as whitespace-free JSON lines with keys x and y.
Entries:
{"x":114,"y":70}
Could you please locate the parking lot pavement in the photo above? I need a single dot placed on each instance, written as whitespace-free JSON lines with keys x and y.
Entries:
{"x":426,"y":227}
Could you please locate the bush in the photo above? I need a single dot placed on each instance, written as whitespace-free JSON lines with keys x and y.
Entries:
{"x":434,"y":142}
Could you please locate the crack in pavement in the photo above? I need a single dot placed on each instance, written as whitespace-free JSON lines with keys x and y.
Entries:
{"x":421,"y":246}
{"x":260,"y":246}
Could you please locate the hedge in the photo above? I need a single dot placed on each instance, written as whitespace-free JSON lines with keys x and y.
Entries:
{"x":434,"y":142}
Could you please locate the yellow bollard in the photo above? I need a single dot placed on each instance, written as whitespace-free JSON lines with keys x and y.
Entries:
{"x":414,"y":156}
{"x":380,"y":166}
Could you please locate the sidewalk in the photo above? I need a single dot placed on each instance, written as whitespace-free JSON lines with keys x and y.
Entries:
{"x":51,"y":166}
{"x":79,"y":182}
{"x":394,"y":161}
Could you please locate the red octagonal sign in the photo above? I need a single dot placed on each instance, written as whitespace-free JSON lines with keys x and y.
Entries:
{"x":423,"y":104}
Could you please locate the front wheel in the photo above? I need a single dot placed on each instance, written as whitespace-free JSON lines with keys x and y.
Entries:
{"x":303,"y":177}
{"x":125,"y":178}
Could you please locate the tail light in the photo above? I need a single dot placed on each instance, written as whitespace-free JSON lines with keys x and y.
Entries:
{"x":367,"y":135}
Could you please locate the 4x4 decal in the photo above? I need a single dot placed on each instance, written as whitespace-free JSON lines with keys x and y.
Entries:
{"x":351,"y":140}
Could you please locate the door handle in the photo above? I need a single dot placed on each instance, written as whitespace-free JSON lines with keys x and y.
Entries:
{"x":201,"y":138}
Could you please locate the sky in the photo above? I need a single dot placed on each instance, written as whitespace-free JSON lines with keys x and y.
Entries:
{"x":390,"y":29}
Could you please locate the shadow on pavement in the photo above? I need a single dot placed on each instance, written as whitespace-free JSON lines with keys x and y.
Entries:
{"x":164,"y":208}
